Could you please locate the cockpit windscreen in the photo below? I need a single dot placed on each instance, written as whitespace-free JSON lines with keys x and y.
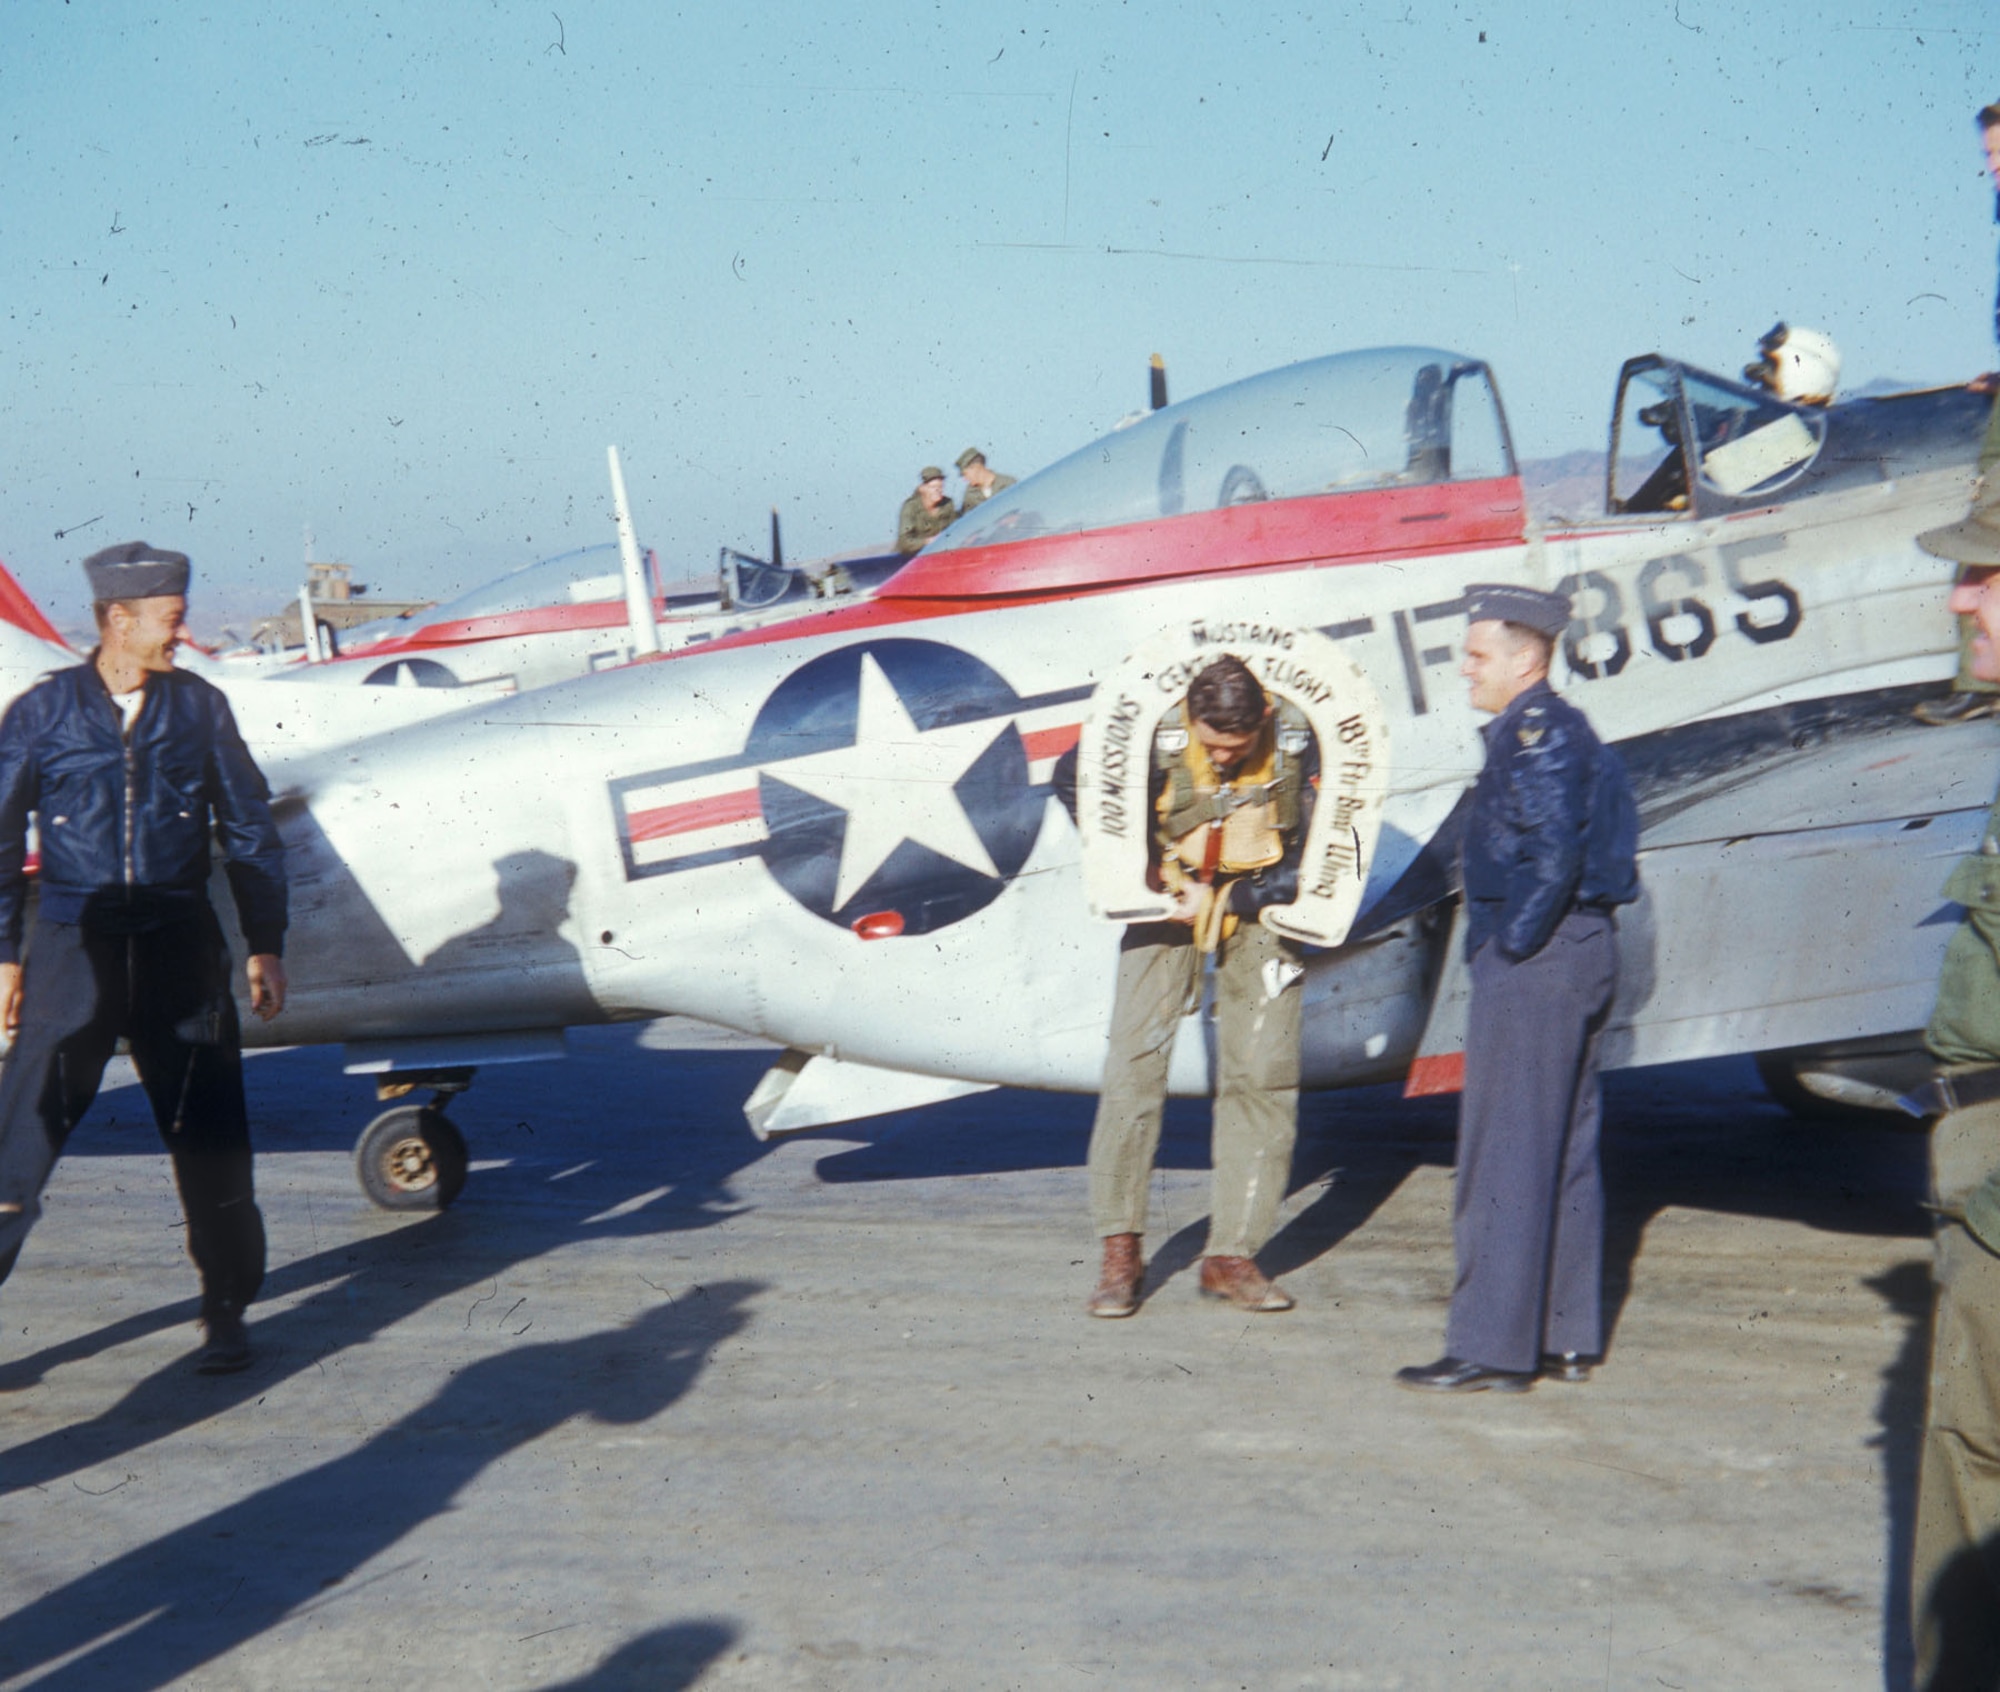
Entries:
{"x":1389,"y":417}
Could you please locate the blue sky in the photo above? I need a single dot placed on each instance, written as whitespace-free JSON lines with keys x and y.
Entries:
{"x":396,"y":274}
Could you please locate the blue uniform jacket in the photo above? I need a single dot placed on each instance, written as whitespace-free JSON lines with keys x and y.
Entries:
{"x":1552,"y":826}
{"x":124,"y":824}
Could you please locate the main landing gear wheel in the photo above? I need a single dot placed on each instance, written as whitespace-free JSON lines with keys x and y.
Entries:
{"x":411,"y":1158}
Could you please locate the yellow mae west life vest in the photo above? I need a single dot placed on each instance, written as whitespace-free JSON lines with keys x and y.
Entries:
{"x":1210,"y":831}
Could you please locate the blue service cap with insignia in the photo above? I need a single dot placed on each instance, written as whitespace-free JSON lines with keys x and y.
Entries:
{"x":136,"y":570}
{"x":1503,"y":602}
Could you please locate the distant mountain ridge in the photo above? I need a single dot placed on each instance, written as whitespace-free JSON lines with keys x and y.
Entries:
{"x":1568,"y":486}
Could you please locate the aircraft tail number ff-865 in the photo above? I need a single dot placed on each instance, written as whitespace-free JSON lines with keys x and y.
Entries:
{"x":840,"y":832}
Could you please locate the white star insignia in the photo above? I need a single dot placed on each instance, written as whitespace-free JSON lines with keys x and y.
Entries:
{"x":896,"y":783}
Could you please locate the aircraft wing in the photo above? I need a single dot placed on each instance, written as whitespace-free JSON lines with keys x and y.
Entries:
{"x":1793,"y":902}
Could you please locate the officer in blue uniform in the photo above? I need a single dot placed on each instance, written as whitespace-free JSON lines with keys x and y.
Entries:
{"x":128,"y":765}
{"x":1549,"y":854}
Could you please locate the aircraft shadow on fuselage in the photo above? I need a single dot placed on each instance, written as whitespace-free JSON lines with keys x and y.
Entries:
{"x":353,"y":978}
{"x":162,"y":1610}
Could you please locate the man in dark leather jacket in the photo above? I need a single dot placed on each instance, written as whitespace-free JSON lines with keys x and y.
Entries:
{"x":126,"y":764}
{"x":1549,"y":853}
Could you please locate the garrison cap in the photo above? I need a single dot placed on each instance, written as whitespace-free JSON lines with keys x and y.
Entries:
{"x":930,"y":473}
{"x":1503,"y":602}
{"x":1975,"y":539}
{"x":136,"y":570}
{"x":971,"y":455}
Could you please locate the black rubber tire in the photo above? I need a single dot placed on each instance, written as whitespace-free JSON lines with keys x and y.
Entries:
{"x":411,"y":1158}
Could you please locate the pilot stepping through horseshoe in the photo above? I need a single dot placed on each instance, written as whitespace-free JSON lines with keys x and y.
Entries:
{"x":1234,"y":777}
{"x":1550,"y":845}
{"x":127,"y":764}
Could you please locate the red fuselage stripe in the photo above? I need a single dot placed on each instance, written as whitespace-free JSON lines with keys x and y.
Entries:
{"x":508,"y":625}
{"x":1333,"y":533}
{"x":1370,"y":523}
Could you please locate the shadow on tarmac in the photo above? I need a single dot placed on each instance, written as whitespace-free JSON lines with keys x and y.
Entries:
{"x":665,"y":1660}
{"x":1702,"y":1136}
{"x":1899,"y":1415}
{"x":161,"y":1611}
{"x":1969,"y":1642}
{"x":668,"y":1158}
{"x":1699,"y":1136}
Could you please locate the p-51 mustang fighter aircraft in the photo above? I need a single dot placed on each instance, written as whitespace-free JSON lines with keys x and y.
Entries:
{"x":839,"y":831}
{"x":584,"y":611}
{"x":278,"y":723}
{"x":567,"y":616}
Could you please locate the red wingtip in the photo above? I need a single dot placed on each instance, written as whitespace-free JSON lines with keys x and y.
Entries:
{"x":17,"y":608}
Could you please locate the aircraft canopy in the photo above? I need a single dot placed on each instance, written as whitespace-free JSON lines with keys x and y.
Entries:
{"x":1385,"y":417}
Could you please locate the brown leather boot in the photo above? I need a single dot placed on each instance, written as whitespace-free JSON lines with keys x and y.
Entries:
{"x":1117,"y":1291}
{"x":1238,"y":1281}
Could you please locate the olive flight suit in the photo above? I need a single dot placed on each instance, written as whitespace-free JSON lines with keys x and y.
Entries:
{"x":1955,"y":1568}
{"x":1243,"y":839}
{"x":917,"y":522}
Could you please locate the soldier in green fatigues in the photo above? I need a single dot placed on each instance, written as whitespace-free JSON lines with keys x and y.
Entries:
{"x":1970,"y":544}
{"x":1955,"y":1570}
{"x":926,"y":514}
{"x":981,"y":482}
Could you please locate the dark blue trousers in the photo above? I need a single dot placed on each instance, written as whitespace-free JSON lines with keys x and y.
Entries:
{"x":1528,"y":1214}
{"x":166,"y":991}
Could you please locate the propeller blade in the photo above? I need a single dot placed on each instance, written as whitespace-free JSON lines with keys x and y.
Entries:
{"x":1159,"y":381}
{"x":777,"y":545}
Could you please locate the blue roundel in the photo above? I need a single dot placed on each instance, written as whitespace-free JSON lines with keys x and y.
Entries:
{"x":894,"y":785}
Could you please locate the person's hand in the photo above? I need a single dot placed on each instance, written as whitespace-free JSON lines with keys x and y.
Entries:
{"x":266,"y":971}
{"x":10,"y":999}
{"x":1189,"y":903}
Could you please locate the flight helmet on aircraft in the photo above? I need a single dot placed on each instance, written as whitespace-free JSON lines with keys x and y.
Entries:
{"x":1801,"y":366}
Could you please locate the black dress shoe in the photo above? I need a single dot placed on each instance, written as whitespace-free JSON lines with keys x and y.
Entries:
{"x":1455,"y":1374}
{"x":1567,"y":1365}
{"x":227,"y":1349}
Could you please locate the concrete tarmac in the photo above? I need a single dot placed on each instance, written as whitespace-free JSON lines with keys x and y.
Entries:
{"x":656,"y":1406}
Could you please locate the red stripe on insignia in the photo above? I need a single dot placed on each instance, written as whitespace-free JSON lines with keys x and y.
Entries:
{"x":1051,"y":743}
{"x":1430,"y":1076}
{"x":713,"y":812}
